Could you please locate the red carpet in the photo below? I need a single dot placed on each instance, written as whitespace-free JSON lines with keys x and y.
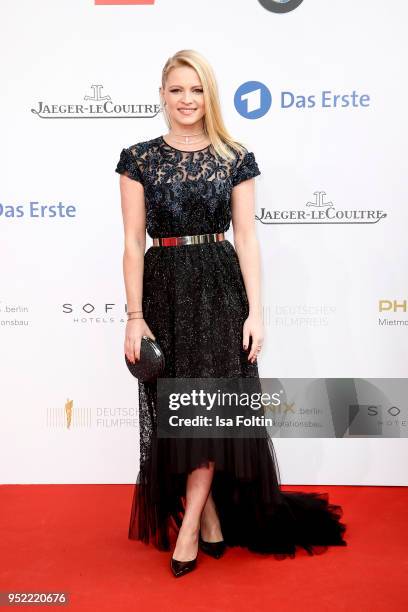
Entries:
{"x":74,"y":538}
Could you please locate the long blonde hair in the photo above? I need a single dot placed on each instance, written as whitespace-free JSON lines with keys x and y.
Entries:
{"x":214,"y":127}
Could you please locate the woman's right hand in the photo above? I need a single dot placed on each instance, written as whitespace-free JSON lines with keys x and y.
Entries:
{"x":135,"y":329}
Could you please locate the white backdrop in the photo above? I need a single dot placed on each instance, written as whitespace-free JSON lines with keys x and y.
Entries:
{"x":322,"y":282}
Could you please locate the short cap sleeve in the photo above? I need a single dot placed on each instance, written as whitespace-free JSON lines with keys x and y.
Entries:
{"x":245,"y":168}
{"x":128,"y":165}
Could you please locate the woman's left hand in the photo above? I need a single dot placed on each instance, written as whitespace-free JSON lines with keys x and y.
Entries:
{"x":253,"y":327}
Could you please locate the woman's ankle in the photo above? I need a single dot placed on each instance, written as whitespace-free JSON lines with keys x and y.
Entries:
{"x":210,"y":528}
{"x":190,"y":528}
{"x":209,"y":519}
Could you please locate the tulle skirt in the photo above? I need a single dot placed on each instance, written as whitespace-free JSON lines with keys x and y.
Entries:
{"x":195,"y":303}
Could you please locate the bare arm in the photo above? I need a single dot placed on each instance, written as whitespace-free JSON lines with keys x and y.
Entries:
{"x":247,"y":248}
{"x":134,"y":224}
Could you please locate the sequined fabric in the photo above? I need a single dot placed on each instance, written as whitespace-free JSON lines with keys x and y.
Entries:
{"x":186,"y":193}
{"x":195,"y":303}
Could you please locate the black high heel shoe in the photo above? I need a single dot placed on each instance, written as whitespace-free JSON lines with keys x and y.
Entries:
{"x":179,"y":568}
{"x":214,"y":549}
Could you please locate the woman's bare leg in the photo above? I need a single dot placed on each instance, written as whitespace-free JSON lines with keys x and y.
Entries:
{"x":197,"y":488}
{"x":210,"y":524}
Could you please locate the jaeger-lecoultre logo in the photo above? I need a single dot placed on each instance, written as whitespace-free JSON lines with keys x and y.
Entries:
{"x":320,"y":212}
{"x":96,"y":106}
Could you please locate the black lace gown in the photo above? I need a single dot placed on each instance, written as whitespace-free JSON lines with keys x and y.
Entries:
{"x":195,"y":303}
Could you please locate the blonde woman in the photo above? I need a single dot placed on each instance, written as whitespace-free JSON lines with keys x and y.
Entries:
{"x":199,"y":297}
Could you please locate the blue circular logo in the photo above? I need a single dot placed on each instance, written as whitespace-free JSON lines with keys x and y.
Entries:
{"x":280,"y":6}
{"x":252,"y":100}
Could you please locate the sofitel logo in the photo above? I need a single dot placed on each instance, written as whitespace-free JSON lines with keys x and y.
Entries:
{"x":94,"y":314}
{"x":320,"y":212}
{"x":97,"y":106}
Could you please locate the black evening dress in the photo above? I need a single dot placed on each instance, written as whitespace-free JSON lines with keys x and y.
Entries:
{"x":195,"y":303}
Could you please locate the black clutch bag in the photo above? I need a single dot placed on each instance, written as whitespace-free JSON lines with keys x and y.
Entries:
{"x":151,"y":362}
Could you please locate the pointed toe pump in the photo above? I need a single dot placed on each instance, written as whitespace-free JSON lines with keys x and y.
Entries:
{"x":179,"y":568}
{"x":214,"y":549}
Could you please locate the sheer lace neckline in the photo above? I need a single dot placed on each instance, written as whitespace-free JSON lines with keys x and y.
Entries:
{"x":181,"y":150}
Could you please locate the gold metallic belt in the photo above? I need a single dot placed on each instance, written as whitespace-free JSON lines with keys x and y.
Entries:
{"x":198,"y":239}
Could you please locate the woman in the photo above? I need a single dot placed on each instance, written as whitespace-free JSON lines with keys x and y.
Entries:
{"x":199,"y":298}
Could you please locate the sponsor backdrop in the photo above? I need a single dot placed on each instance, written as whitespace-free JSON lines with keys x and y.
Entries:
{"x":316,"y":90}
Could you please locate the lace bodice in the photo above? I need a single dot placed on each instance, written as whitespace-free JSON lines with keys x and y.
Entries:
{"x":186,"y":192}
